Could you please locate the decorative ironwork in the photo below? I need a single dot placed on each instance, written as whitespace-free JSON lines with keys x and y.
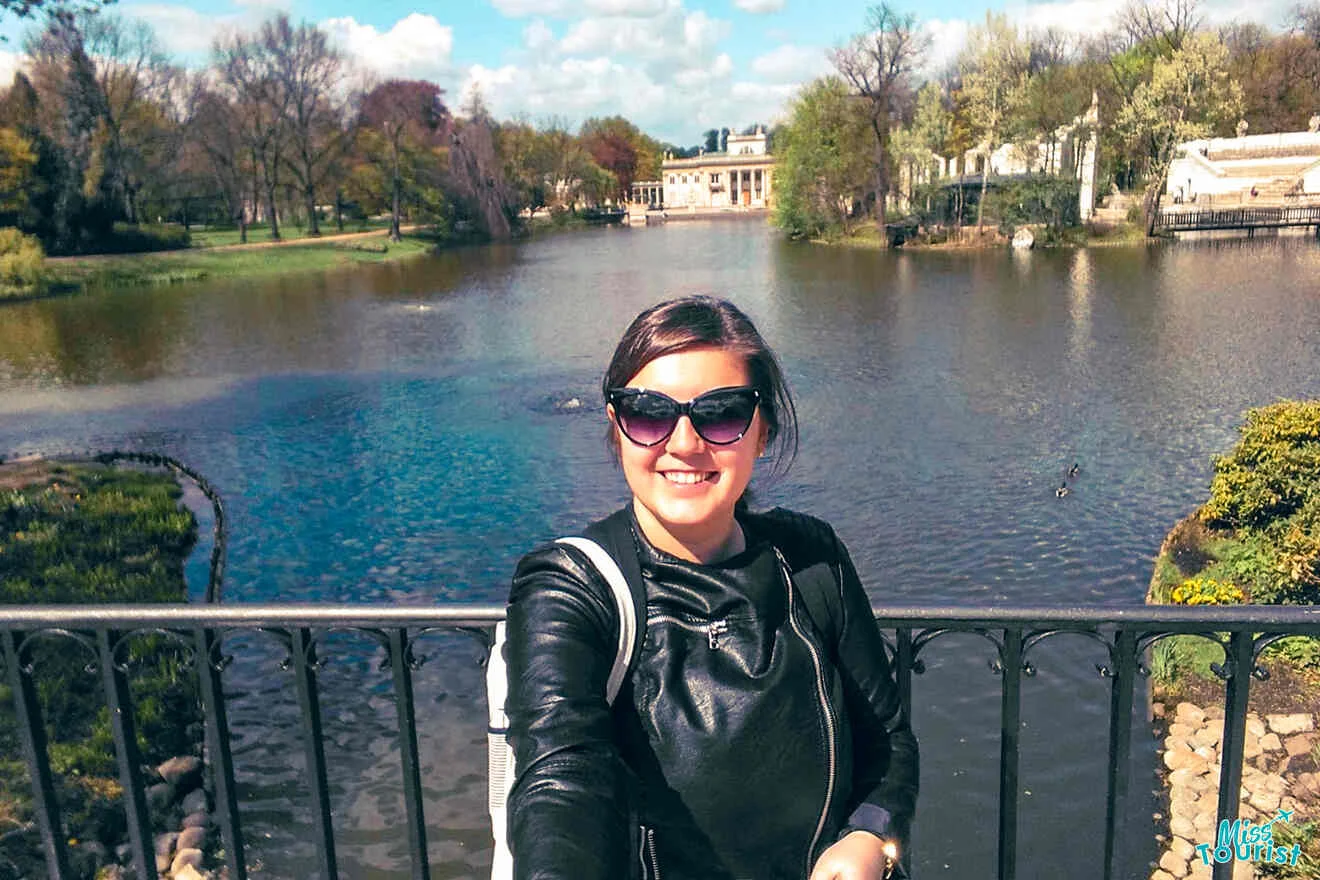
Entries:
{"x":1242,"y":632}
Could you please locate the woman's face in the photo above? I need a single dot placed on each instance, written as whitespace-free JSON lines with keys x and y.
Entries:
{"x":684,"y":488}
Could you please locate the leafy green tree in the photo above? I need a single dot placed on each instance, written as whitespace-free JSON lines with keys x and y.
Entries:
{"x":1191,"y":95}
{"x":994,"y":69}
{"x":824,"y":163}
{"x":402,"y":133}
{"x":878,"y":65}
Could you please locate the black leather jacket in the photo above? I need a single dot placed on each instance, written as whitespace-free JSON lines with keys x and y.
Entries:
{"x":749,"y":737}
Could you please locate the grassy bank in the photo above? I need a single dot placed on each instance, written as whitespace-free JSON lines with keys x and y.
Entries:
{"x":170,"y":267}
{"x":1256,"y":540}
{"x":867,"y":237}
{"x":84,"y":534}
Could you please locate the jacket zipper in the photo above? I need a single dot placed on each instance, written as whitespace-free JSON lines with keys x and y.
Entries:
{"x":826,"y":710}
{"x":713,"y":629}
{"x":650,"y":862}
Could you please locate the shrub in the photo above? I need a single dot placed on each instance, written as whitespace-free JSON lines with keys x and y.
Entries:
{"x":22,"y":263}
{"x":1272,"y":471}
{"x":1036,"y":198}
{"x":126,"y":238}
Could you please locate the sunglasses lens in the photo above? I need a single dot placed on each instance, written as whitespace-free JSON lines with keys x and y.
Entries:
{"x":724,"y":416}
{"x":646,"y":418}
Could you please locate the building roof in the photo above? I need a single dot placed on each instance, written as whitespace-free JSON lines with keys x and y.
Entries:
{"x":719,"y":159}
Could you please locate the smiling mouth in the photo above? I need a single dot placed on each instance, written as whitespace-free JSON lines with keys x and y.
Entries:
{"x":688,"y":478}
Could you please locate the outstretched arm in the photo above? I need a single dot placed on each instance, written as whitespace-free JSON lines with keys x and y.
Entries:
{"x":568,"y":810}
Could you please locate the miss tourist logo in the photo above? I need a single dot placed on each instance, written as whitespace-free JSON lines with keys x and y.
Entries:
{"x":1249,"y":843}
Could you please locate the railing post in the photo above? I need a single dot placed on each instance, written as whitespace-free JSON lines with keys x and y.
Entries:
{"x":304,"y":675}
{"x":218,"y":753}
{"x":124,"y":731}
{"x":32,"y":733}
{"x":412,"y":777}
{"x":1120,"y":746}
{"x":1011,"y":723}
{"x":1237,"y":665}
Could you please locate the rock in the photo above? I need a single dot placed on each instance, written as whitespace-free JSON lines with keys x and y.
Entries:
{"x":192,"y":838}
{"x":198,"y":819}
{"x":1181,"y":731}
{"x":1270,"y":742}
{"x":1286,"y":724}
{"x":1207,"y":736}
{"x":1182,"y":759}
{"x":1298,"y":745}
{"x":194,"y":802}
{"x":1178,"y":742}
{"x":1255,"y":728}
{"x":1182,"y":848}
{"x":1265,"y":801}
{"x":1251,"y":748}
{"x":1161,"y":875}
{"x":188,"y":872}
{"x":110,"y":872}
{"x":1175,"y":866}
{"x":1215,"y":713}
{"x":1244,"y":871}
{"x":124,"y":853}
{"x":1023,"y":239}
{"x":164,"y":843}
{"x":1189,"y":714}
{"x":186,"y":857}
{"x":160,"y":797}
{"x":183,"y":772}
{"x":1182,"y":826}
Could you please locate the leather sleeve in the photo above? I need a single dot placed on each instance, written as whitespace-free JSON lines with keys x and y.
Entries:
{"x":886,"y":766}
{"x":568,"y":811}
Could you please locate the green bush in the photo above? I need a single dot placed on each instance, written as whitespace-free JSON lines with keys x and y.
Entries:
{"x":1272,"y":471}
{"x":1032,"y":199}
{"x":128,"y":238}
{"x":22,"y":263}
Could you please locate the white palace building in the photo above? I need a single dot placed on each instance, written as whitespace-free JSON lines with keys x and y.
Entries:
{"x":739,"y":179}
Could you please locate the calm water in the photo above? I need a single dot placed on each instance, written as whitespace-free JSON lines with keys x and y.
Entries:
{"x":390,"y":434}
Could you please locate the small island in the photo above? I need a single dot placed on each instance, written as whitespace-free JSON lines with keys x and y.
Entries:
{"x":1256,"y":540}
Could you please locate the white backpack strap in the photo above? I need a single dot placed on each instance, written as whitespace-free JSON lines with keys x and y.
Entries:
{"x":623,"y":601}
{"x":501,"y":771}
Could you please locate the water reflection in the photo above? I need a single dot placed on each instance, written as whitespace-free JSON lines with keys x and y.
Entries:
{"x":389,"y":434}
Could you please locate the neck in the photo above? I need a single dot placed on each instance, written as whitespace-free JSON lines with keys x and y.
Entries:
{"x":705,"y":545}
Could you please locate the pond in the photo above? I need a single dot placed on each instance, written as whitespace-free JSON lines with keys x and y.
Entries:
{"x":391,"y":434}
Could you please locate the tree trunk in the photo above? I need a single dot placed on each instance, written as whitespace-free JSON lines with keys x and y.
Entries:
{"x":313,"y":228}
{"x":395,"y":234}
{"x":1151,"y":206}
{"x":339,"y":209}
{"x":980,"y":205}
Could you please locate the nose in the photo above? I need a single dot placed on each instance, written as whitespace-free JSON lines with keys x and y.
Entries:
{"x":684,"y":437}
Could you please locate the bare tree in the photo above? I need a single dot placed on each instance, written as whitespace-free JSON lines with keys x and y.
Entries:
{"x":1165,"y":23}
{"x":311,"y":76}
{"x":248,"y":79}
{"x":878,"y":67}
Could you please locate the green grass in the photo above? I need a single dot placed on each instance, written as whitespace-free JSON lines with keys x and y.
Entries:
{"x":194,"y":265}
{"x":90,"y":533}
{"x":206,"y":237}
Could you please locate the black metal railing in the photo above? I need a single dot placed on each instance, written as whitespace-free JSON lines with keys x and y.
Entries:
{"x":1195,"y":220}
{"x":1242,"y":632}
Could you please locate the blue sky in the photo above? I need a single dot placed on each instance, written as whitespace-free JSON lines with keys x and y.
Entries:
{"x":674,"y":67}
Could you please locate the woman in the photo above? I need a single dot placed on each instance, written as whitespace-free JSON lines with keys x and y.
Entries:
{"x":754,"y":737}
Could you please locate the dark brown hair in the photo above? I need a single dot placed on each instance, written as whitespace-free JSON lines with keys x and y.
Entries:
{"x":706,"y":321}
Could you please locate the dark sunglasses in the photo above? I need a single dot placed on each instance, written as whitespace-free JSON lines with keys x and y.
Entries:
{"x":721,"y":416}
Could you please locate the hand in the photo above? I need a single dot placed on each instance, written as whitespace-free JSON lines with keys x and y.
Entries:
{"x":860,"y":855}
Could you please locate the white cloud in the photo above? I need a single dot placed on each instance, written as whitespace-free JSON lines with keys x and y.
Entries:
{"x":759,"y":7}
{"x":1086,"y":17}
{"x":947,"y":39}
{"x":570,"y":8}
{"x":186,"y":31}
{"x":418,"y":46}
{"x":791,"y":64}
{"x":538,"y":35}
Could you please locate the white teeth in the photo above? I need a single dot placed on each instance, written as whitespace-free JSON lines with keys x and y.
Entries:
{"x":685,"y":477}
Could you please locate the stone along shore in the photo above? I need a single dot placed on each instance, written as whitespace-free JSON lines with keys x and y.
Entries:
{"x":1276,"y":748}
